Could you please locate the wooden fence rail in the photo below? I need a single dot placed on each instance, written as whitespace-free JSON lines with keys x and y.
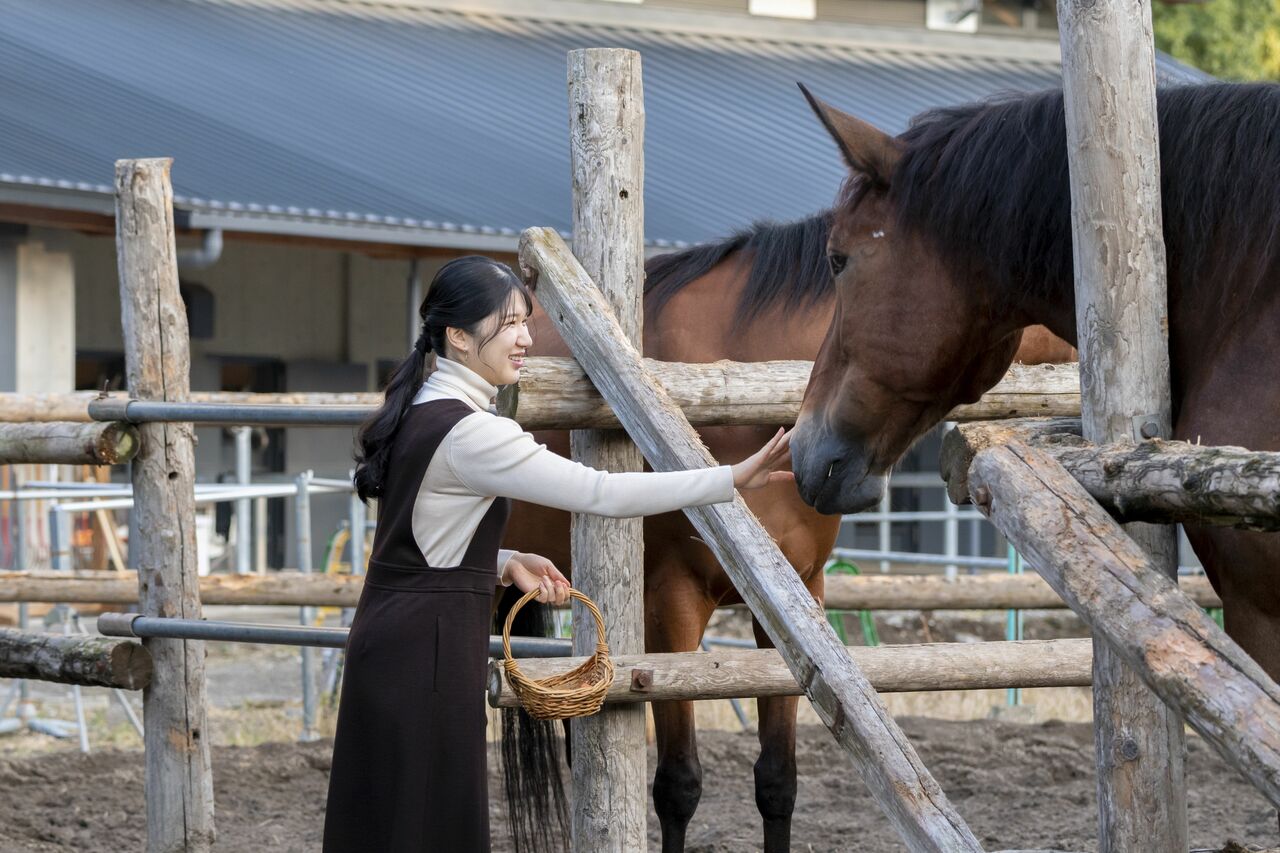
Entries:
{"x":293,"y":588}
{"x":745,"y":673}
{"x":70,"y":659}
{"x":64,"y":443}
{"x":555,"y":393}
{"x":1153,"y":481}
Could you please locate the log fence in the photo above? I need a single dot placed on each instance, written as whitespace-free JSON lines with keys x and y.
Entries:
{"x":555,"y":393}
{"x":1050,"y":491}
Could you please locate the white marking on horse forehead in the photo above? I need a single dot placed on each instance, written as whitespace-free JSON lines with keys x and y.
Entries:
{"x":877,"y":234}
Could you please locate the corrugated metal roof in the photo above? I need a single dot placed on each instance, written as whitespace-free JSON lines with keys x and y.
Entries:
{"x":398,"y":122}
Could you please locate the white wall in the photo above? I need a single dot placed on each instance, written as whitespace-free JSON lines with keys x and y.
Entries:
{"x":289,"y":303}
{"x":37,"y":316}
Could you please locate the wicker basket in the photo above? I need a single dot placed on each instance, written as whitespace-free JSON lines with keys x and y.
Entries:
{"x":577,"y":693}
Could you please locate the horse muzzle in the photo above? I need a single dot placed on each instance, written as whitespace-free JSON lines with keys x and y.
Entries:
{"x":832,"y":472}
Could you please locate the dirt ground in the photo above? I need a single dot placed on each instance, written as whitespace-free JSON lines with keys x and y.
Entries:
{"x":1017,"y":785}
{"x":1023,"y":779}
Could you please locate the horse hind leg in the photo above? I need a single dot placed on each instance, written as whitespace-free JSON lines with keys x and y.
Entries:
{"x":675,"y":616}
{"x":775,"y":769}
{"x":677,"y":780}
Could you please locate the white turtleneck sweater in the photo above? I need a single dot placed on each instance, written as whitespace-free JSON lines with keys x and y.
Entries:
{"x":486,"y":456}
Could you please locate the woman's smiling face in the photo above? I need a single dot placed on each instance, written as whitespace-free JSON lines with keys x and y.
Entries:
{"x":501,"y":356}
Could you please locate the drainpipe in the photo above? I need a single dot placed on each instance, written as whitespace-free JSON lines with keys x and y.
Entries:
{"x":414,"y":294}
{"x":206,"y":256}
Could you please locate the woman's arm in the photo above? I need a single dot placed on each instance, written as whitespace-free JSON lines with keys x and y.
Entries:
{"x":490,"y":455}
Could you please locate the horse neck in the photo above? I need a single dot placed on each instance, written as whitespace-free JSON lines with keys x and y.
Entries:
{"x":698,"y":324}
{"x":1053,"y":307}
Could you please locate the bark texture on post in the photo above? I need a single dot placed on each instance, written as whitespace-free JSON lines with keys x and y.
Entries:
{"x":1153,"y":481}
{"x":89,"y":661}
{"x":1113,"y":149}
{"x":1163,"y":637}
{"x":179,"y":780}
{"x":606,"y":152}
{"x":910,"y":797}
{"x":62,"y":443}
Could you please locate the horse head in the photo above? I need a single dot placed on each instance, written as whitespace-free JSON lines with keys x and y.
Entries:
{"x":910,"y":338}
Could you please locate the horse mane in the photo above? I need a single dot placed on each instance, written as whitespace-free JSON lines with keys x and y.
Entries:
{"x":787,"y":267}
{"x":988,"y":185}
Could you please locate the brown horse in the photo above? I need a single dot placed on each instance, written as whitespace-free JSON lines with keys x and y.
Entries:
{"x":764,"y":294}
{"x":952,"y":237}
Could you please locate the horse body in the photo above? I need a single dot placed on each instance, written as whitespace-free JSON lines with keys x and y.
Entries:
{"x":683,"y":582}
{"x":957,"y":234}
{"x":762,"y":295}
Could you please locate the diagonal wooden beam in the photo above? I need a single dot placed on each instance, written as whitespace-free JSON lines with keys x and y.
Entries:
{"x":913,"y":801}
{"x":1159,"y":633}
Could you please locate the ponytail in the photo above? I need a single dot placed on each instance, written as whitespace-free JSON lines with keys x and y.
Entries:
{"x":374,"y":441}
{"x":462,"y":295}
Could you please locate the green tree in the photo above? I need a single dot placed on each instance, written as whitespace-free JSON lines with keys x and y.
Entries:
{"x":1231,"y":39}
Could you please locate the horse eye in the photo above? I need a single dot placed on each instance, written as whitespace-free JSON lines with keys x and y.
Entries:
{"x":838,"y":262}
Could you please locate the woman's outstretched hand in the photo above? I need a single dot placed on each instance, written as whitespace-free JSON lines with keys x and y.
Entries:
{"x":761,"y":468}
{"x":532,"y":571}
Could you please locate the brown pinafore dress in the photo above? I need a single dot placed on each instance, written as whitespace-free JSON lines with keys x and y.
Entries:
{"x":409,"y":771}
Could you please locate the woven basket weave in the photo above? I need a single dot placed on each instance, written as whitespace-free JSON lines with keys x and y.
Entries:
{"x":577,"y":693}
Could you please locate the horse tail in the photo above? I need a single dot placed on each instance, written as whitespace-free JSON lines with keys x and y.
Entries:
{"x":537,"y":809}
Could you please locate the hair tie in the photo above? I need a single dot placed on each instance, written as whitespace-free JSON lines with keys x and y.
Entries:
{"x":423,"y":344}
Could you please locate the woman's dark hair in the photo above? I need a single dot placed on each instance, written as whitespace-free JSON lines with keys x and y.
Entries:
{"x":462,"y":295}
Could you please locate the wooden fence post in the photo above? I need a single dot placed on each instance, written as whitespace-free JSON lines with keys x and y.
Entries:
{"x":179,"y":780}
{"x":606,"y":150}
{"x":1108,"y":74}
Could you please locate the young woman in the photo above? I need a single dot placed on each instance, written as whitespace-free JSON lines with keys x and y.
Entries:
{"x":409,"y":757}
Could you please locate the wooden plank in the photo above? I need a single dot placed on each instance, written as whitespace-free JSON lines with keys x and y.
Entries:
{"x":1166,"y":639}
{"x":747,"y":673}
{"x":69,"y":659}
{"x":910,"y":797}
{"x":179,"y":779}
{"x":606,"y":155}
{"x":1153,"y":481}
{"x":555,"y":393}
{"x":109,"y":536}
{"x":62,"y":443}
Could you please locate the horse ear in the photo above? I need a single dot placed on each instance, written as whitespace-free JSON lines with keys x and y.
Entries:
{"x":866,"y":148}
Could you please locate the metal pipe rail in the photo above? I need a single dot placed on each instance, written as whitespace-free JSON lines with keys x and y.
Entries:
{"x":137,"y":625}
{"x":221,"y":495}
{"x":227,"y":414}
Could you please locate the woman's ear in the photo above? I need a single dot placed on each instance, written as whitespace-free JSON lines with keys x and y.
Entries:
{"x":458,"y":339}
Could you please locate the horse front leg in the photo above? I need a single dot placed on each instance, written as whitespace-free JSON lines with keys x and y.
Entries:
{"x":676,"y":614}
{"x":775,"y":769}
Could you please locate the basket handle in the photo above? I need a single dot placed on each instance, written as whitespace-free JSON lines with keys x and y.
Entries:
{"x":602,"y":646}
